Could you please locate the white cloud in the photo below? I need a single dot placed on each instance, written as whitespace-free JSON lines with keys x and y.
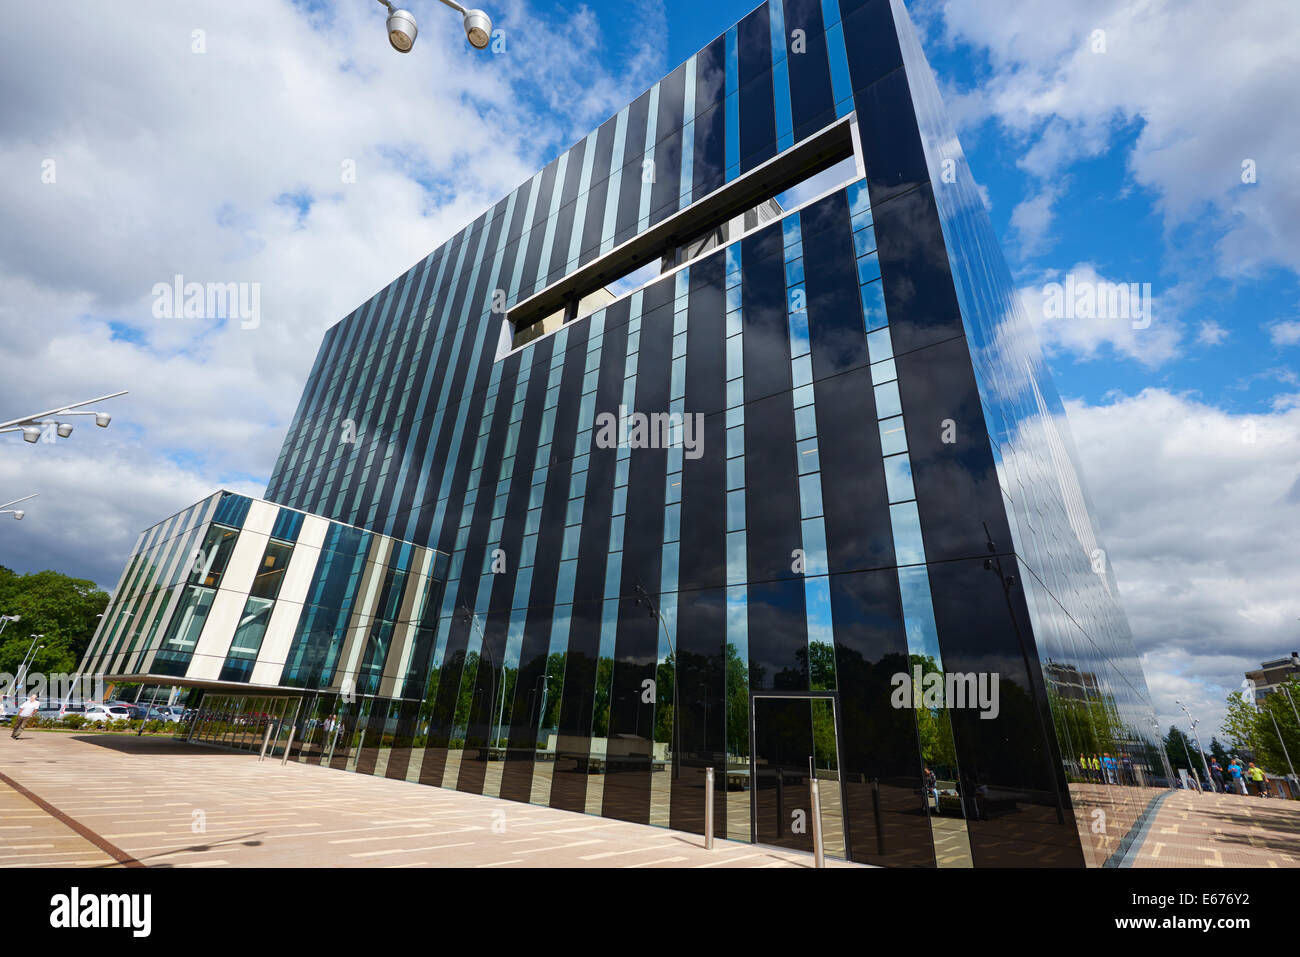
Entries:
{"x":1285,"y":333}
{"x":227,"y":166}
{"x":1198,"y":508}
{"x":1207,"y":84}
{"x":1210,"y":333}
{"x":1032,"y":220}
{"x":1144,"y":331}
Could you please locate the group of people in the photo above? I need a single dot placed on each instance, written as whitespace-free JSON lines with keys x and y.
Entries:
{"x":1235,"y":779}
{"x":1105,"y":769}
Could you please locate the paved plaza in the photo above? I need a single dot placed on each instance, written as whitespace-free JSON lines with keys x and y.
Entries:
{"x":99,"y":800}
{"x":1191,"y":829}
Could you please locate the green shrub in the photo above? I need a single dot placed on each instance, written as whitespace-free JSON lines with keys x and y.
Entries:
{"x":74,"y":721}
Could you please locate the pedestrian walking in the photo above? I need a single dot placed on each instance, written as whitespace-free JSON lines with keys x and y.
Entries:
{"x":25,"y":712}
{"x":1258,"y":778}
{"x":1238,"y":777}
{"x":1216,"y":775}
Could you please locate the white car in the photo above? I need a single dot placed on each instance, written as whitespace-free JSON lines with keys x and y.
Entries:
{"x":106,"y":712}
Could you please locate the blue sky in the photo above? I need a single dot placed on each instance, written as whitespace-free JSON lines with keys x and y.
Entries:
{"x":207,"y":141}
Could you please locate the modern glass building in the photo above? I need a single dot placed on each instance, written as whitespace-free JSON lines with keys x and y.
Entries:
{"x":722,"y":442}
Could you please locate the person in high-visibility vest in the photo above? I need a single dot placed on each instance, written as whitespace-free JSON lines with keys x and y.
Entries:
{"x":1259,"y":778}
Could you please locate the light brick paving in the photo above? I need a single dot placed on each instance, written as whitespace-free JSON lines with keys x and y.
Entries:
{"x":1222,"y":830}
{"x":169,"y":804}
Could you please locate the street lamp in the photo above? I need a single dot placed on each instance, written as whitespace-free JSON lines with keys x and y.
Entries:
{"x":32,"y":426}
{"x":32,"y":650}
{"x":18,"y":514}
{"x":402,"y":29}
{"x":5,"y":619}
{"x":1164,"y":751}
{"x":1193,"y":722}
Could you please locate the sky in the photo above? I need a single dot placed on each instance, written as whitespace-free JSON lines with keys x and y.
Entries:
{"x":285,"y":144}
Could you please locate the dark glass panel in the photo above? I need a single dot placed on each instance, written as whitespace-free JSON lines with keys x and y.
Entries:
{"x":630,"y":741}
{"x":835,"y":330}
{"x":858,"y":533}
{"x":536,"y":238}
{"x":956,"y":482}
{"x":598,"y":193}
{"x":766,"y":339}
{"x":919,"y":295}
{"x":881,"y":766}
{"x":870,"y":40}
{"x":891,"y":144}
{"x":812,"y":100}
{"x":629,"y":196}
{"x":573,"y":744}
{"x":703,"y":562}
{"x":373,"y":738}
{"x":1013,"y":784}
{"x":699,"y":708}
{"x":778,"y":635}
{"x":757,"y":121}
{"x":399,"y":761}
{"x":783,"y":745}
{"x":772,"y":520}
{"x":754,"y":44}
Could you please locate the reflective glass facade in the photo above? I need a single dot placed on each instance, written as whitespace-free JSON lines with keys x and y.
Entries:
{"x":743,"y":516}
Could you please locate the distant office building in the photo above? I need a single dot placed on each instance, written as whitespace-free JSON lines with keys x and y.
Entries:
{"x":722,"y":442}
{"x":1272,"y":674}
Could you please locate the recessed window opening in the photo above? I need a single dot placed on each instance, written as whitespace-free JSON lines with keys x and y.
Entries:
{"x":820,"y":163}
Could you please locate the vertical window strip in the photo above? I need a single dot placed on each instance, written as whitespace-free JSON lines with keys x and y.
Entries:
{"x":780,"y":76}
{"x":648,"y":164}
{"x":552,"y":218}
{"x":904,"y":519}
{"x":614,"y":563}
{"x":615,"y":181}
{"x":688,"y":136}
{"x":552,"y":681}
{"x":666,"y":666}
{"x":467,"y":389}
{"x":737,"y":715}
{"x":732,"y":107}
{"x":737,"y":570}
{"x":530,"y":212}
{"x":838,"y":57}
{"x":821,"y":638}
{"x":580,"y":207}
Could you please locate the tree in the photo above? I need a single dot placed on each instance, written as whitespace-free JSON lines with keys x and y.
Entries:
{"x":1255,"y":728}
{"x":65,"y":610}
{"x":1181,"y":748}
{"x":1239,"y":722}
{"x":1218,"y":751}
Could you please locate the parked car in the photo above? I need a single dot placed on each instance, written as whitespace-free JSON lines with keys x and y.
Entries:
{"x":166,"y":712}
{"x":106,"y":712}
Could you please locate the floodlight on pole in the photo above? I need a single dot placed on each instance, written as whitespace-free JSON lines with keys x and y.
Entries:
{"x":33,"y":426}
{"x":18,"y":514}
{"x":402,"y":28}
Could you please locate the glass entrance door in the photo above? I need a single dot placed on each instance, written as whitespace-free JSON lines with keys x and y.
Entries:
{"x":795,"y":737}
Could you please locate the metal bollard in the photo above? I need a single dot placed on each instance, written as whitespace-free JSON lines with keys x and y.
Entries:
{"x":819,"y":853}
{"x":288,"y":744}
{"x":708,"y":809}
{"x":266,"y":740}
